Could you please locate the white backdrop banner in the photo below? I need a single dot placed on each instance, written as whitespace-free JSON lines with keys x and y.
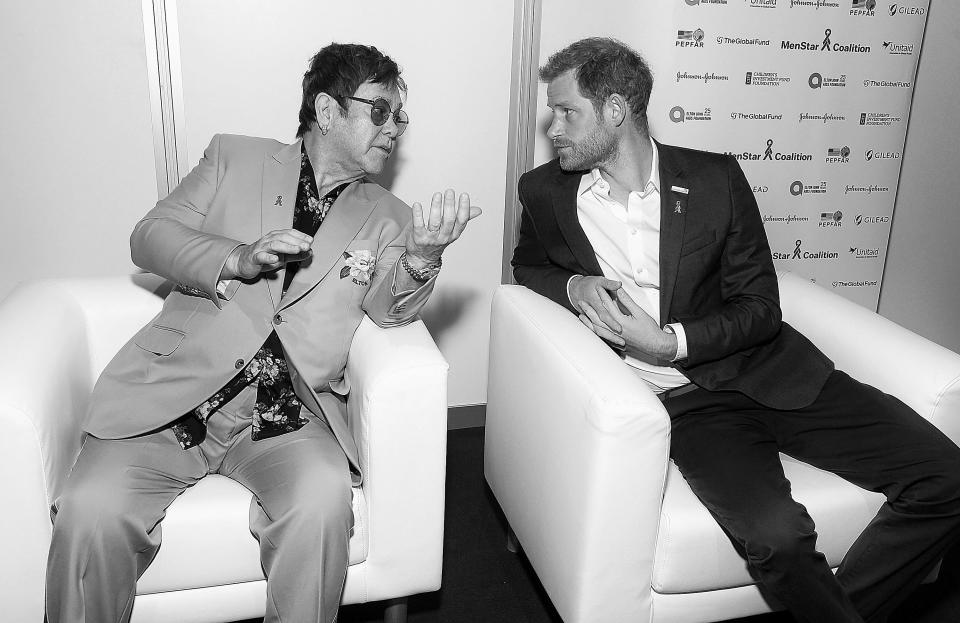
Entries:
{"x":812,"y":97}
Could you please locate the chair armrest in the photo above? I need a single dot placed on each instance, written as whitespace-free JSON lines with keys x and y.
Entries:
{"x":576,"y":453}
{"x":45,"y":381}
{"x":877,"y":351}
{"x":397,"y":409}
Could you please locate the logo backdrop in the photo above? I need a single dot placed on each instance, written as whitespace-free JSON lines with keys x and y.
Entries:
{"x":812,"y":97}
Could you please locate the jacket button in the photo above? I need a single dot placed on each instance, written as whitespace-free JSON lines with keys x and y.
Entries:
{"x":238,"y":364}
{"x":277,"y":319}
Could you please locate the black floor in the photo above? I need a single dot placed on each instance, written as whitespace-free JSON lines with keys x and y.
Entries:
{"x":484,"y":583}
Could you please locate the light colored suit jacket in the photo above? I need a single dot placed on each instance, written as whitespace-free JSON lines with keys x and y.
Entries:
{"x":242,"y":189}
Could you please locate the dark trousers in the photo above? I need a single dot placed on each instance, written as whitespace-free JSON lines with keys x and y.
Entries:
{"x":726,"y":446}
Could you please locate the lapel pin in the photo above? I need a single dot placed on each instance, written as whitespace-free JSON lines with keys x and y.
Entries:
{"x":681,"y":199}
{"x":279,"y":201}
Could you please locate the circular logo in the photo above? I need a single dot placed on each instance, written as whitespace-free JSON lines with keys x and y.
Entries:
{"x":815,"y":81}
{"x":893,"y":9}
{"x":868,"y":155}
{"x":796,"y":189}
{"x":676,"y":114}
{"x":698,"y":35}
{"x":692,"y":2}
{"x":845,"y":152}
{"x":837,"y":216}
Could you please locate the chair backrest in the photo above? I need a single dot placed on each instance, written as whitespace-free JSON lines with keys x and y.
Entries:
{"x":876,"y":350}
{"x":57,"y":336}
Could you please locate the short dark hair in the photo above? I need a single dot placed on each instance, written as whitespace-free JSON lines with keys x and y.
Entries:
{"x":338,"y":70}
{"x":604,"y":66}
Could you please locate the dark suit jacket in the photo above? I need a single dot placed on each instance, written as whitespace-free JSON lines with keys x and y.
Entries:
{"x":716,"y":274}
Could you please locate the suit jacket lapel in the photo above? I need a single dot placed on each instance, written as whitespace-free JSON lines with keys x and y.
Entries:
{"x":347,"y":215}
{"x":673,"y":213}
{"x":564,"y":195}
{"x":281,"y":174}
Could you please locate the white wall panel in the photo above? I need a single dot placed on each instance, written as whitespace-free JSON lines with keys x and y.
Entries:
{"x":921,"y":283}
{"x":242,"y":62}
{"x":76,"y":144}
{"x":638,"y":24}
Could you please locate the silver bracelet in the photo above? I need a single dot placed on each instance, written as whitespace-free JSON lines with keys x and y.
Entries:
{"x":421,"y":274}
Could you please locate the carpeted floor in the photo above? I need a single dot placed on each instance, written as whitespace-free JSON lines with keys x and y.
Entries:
{"x":484,"y":583}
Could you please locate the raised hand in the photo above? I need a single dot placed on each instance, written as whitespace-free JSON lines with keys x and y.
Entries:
{"x":431,"y":232}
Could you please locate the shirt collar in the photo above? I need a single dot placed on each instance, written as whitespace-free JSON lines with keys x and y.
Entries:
{"x":592,"y":180}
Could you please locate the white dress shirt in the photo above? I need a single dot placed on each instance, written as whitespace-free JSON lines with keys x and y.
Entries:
{"x":626,"y":240}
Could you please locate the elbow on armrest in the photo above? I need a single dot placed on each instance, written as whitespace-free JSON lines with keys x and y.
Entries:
{"x":539,"y":351}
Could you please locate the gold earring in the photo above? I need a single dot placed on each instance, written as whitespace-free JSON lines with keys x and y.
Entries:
{"x":324,"y":130}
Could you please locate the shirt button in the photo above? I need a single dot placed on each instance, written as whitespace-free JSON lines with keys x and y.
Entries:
{"x":238,"y":364}
{"x":277,"y":319}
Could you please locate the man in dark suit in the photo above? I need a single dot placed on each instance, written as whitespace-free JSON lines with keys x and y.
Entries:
{"x":661,"y":252}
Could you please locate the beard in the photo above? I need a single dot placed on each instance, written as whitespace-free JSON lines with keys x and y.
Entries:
{"x":597,"y":147}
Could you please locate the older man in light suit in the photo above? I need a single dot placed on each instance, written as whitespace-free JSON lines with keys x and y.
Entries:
{"x":241,"y":373}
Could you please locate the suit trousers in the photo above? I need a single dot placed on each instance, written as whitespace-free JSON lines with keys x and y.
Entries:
{"x":726,"y":446}
{"x":107,"y":522}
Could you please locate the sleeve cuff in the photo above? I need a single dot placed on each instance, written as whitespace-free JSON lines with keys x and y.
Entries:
{"x":677,"y":329}
{"x":226,"y":288}
{"x":570,"y":298}
{"x":394,"y":287}
{"x":222,"y":286}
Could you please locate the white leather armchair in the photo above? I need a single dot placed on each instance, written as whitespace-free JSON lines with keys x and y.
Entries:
{"x":56,"y":337}
{"x":577,"y":456}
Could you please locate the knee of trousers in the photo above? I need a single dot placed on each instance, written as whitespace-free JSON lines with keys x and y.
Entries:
{"x":87,"y":516}
{"x":782,"y":540}
{"x":325,"y":510}
{"x":936,"y":492}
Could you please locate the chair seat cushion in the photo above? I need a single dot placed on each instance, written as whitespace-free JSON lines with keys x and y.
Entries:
{"x":694,"y":555}
{"x":207,"y":541}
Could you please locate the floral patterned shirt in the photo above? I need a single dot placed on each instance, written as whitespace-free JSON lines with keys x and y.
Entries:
{"x":277,"y":409}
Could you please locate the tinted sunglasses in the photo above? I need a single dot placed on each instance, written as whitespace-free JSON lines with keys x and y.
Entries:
{"x":380,"y":111}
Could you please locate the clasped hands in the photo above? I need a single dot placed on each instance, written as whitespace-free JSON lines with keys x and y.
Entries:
{"x":427,"y":236}
{"x":607,"y":310}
